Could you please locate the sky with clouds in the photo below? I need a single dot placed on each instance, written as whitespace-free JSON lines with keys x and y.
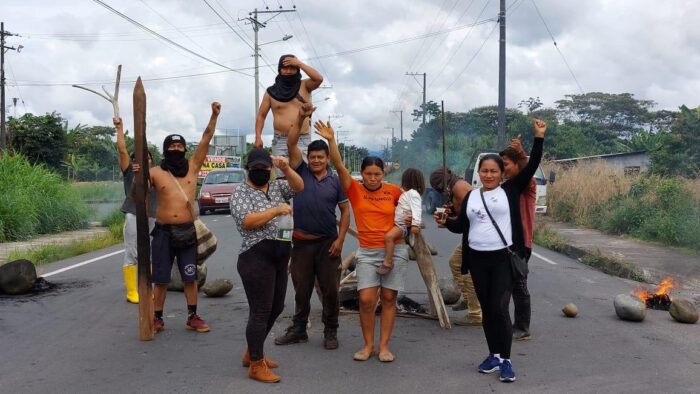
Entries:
{"x":363,"y":48}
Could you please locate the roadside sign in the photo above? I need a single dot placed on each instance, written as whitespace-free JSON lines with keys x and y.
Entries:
{"x":212,"y":163}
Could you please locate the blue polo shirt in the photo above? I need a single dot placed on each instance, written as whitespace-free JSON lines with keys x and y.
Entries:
{"x":314,"y":207}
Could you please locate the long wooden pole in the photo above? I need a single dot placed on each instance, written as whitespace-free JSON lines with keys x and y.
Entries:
{"x":427,"y":271}
{"x":444,"y":151}
{"x":143,"y":246}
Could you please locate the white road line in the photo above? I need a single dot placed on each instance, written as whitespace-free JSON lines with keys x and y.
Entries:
{"x":546,"y":260}
{"x":81,"y":264}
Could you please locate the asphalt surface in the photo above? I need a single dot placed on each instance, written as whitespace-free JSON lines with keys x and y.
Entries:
{"x":83,"y":338}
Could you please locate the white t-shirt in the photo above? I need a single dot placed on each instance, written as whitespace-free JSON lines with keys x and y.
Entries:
{"x":482,"y":233}
{"x":410,"y":204}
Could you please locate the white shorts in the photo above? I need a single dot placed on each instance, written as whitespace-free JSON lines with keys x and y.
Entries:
{"x":279,"y":148}
{"x":130,"y":251}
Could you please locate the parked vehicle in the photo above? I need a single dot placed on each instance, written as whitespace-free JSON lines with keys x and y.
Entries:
{"x":217,"y":188}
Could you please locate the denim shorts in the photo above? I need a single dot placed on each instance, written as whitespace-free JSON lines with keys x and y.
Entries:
{"x":279,"y":148}
{"x":369,"y":259}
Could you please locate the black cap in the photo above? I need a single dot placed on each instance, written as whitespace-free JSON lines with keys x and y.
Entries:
{"x":173,"y":138}
{"x":259,"y":156}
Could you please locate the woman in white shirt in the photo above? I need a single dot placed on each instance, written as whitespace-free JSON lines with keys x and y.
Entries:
{"x":486,"y":252}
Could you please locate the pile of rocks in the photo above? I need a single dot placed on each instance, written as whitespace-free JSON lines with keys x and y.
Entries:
{"x":630,"y":308}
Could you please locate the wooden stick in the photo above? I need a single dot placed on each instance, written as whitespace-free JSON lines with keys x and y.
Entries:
{"x":351,"y":275}
{"x":346,"y":262}
{"x":143,"y":246}
{"x":114,"y":99}
{"x":427,"y":271}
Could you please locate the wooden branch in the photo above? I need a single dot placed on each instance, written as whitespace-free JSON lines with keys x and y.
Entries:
{"x":427,"y":271}
{"x":113,"y":99}
{"x":351,"y":275}
{"x":346,"y":261}
{"x":143,"y":247}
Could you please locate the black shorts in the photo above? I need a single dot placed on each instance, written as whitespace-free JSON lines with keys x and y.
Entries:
{"x":162,"y":255}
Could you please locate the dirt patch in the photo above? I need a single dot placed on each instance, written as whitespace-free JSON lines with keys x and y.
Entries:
{"x":44,"y":288}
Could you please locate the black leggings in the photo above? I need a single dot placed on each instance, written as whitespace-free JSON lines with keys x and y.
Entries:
{"x":521,"y":301}
{"x":493,"y":282}
{"x":263,"y":270}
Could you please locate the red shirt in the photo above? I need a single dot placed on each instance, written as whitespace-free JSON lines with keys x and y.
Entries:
{"x":527,"y":211}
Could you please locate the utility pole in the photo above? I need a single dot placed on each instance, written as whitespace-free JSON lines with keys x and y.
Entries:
{"x":502,"y":78}
{"x":257,"y":25}
{"x":3,"y":49}
{"x":425,"y":109}
{"x":401,"y":124}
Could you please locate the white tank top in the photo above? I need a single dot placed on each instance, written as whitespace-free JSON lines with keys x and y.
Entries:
{"x":482,"y":234}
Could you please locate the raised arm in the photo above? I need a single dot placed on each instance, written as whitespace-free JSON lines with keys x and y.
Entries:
{"x":293,"y":179}
{"x":201,"y":153}
{"x":254,"y":220}
{"x":521,"y":180}
{"x":265,"y":106}
{"x":295,"y":154}
{"x":315,"y":77}
{"x":121,"y":144}
{"x":325,"y":130}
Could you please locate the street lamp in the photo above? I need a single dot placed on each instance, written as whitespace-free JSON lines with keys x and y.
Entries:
{"x":285,"y":38}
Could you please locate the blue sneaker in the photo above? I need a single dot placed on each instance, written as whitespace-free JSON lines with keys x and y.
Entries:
{"x":507,"y":372}
{"x":490,"y":365}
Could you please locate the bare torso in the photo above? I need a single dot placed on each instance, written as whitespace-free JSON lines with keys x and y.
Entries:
{"x":172,"y":206}
{"x":285,"y":114}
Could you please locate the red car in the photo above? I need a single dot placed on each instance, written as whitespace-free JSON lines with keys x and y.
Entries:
{"x":217,"y":188}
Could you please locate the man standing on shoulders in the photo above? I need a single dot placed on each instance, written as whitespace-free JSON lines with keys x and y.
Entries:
{"x":174,"y":235}
{"x":317,"y":243}
{"x":457,"y":188}
{"x":128,"y":169}
{"x":285,"y":98}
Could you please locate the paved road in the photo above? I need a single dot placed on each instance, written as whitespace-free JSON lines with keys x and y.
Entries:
{"x":83,"y":338}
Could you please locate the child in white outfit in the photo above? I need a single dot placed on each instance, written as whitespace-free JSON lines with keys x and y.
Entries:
{"x":410,"y":205}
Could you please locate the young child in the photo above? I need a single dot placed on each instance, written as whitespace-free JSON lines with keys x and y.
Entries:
{"x":410,"y":205}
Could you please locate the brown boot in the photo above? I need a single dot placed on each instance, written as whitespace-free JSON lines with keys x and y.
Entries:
{"x":259,"y":371}
{"x":245,"y":360}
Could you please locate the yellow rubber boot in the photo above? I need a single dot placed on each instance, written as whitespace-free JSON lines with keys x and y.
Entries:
{"x":130,"y":281}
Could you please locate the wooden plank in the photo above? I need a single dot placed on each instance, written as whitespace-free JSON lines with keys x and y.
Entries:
{"x":143,"y":245}
{"x":427,"y":271}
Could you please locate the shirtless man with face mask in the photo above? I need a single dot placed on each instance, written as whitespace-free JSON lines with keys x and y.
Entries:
{"x":174,"y":235}
{"x":285,"y":98}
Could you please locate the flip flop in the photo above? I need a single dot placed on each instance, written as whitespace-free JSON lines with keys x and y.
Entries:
{"x":383,"y":269}
{"x":362,"y":355}
{"x":386,"y":357}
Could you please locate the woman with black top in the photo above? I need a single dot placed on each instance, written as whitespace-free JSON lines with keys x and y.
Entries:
{"x":486,"y":255}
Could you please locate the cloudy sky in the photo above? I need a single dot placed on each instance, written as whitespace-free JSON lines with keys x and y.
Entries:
{"x":648,"y":48}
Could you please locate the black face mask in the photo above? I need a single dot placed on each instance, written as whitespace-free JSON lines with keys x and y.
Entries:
{"x":259,"y":176}
{"x":175,"y":163}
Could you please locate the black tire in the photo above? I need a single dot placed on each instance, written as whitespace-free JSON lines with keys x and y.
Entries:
{"x":202,"y":212}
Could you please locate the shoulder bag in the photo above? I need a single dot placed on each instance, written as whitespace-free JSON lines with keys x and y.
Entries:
{"x":518,"y":266}
{"x":206,"y":240}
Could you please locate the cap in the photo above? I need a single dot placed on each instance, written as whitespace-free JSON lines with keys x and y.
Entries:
{"x":259,"y":156}
{"x":173,"y":138}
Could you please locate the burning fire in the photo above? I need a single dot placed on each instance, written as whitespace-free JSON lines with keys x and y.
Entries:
{"x":659,"y":299}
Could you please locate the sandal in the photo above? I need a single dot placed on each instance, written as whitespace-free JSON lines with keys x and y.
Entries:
{"x":384,"y":269}
{"x":362,"y":355}
{"x":386,"y":357}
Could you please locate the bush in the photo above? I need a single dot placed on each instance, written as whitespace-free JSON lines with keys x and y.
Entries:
{"x":35,"y":201}
{"x":653,"y":208}
{"x":115,"y":218}
{"x":94,"y":192}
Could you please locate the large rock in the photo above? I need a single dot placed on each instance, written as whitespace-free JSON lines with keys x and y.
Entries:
{"x":684,"y":311}
{"x":17,"y":277}
{"x":217,"y":287}
{"x":176,"y":281}
{"x":450,"y":290}
{"x":629,"y":307}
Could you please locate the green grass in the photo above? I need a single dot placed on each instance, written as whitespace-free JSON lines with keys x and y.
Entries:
{"x":94,"y":192}
{"x":548,"y":238}
{"x":613,"y":266}
{"x":35,"y":200}
{"x":55,"y":252}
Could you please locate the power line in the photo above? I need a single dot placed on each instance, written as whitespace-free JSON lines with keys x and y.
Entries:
{"x":173,"y":26}
{"x":19,"y":91}
{"x":313,"y":48}
{"x":470,"y":60}
{"x":454,"y":53}
{"x":557,"y":46}
{"x":228,"y":24}
{"x":432,"y":41}
{"x":166,"y":39}
{"x":341,"y":53}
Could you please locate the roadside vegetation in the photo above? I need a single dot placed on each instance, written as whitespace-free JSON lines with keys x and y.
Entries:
{"x":35,"y":200}
{"x":50,"y":253}
{"x":96,"y":192}
{"x":648,"y":207}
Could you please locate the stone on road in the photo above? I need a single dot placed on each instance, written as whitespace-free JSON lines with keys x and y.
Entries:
{"x":217,"y":287}
{"x":570,"y":310}
{"x":17,"y":277}
{"x":629,"y":308}
{"x":683,"y":311}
